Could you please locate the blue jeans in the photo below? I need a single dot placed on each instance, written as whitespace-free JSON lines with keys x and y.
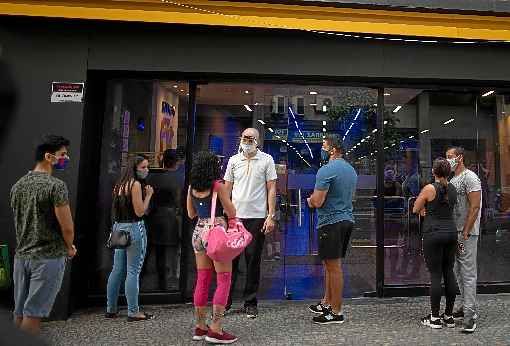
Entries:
{"x":127,"y":265}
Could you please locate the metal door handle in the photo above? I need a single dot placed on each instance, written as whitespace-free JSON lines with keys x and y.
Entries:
{"x":300,"y":222}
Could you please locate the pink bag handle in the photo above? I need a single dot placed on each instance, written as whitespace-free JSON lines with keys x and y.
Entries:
{"x":213,"y":201}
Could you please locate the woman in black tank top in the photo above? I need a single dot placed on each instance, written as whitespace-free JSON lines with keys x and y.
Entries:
{"x":130,"y":202}
{"x":436,"y":202}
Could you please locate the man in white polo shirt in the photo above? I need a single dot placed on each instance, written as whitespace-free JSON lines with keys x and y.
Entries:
{"x":251,"y":176}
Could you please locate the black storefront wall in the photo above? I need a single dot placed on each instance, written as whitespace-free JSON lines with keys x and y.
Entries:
{"x":35,"y":58}
{"x":40,"y":51}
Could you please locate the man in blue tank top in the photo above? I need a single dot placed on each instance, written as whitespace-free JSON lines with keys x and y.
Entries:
{"x":334,"y":189}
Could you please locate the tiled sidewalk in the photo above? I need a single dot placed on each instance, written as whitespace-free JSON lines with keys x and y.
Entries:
{"x":369,"y":322}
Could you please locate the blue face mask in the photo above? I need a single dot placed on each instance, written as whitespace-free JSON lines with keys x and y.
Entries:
{"x":324,"y":155}
{"x":61,"y":163}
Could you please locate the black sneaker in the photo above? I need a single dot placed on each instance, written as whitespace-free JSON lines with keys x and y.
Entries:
{"x":458,"y":315}
{"x":448,"y":321}
{"x":328,"y":317}
{"x":252,"y":311}
{"x":318,"y":308}
{"x":111,"y":315}
{"x":436,"y":324}
{"x":469,"y":326}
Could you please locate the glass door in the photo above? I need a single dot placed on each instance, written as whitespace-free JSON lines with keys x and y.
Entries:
{"x":293,"y":121}
{"x":301,"y":118}
{"x":148,"y":118}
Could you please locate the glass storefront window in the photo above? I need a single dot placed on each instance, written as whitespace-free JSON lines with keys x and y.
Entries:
{"x":146,"y":118}
{"x":425,"y":124}
{"x":292,"y":121}
{"x":150,"y":117}
{"x":493,"y":169}
{"x":420,"y":125}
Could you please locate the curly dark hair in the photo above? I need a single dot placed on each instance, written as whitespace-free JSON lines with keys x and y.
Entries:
{"x":205,"y":169}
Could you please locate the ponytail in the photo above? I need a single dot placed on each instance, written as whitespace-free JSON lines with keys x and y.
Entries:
{"x":441,"y":169}
{"x":444,"y":185}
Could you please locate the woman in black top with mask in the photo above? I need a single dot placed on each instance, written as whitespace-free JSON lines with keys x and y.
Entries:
{"x":130,"y":202}
{"x":436,"y":202}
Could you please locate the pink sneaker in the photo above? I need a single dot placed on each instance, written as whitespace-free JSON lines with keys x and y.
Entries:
{"x":199,"y":334}
{"x":217,"y":338}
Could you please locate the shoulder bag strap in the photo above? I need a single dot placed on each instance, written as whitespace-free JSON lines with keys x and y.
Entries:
{"x":213,"y":203}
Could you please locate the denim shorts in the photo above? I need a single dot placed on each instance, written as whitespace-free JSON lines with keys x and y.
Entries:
{"x":36,"y":285}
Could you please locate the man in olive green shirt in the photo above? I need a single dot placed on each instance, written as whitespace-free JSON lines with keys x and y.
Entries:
{"x":44,"y":234}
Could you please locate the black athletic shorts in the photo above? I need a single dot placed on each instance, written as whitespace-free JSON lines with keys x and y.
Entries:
{"x":334,"y":239}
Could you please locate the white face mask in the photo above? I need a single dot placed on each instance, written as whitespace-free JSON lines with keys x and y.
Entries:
{"x":453,"y":163}
{"x":248,"y":148}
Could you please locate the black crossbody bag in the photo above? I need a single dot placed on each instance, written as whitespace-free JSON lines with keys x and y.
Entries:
{"x":119,"y":238}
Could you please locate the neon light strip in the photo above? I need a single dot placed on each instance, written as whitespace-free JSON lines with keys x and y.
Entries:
{"x":300,"y":133}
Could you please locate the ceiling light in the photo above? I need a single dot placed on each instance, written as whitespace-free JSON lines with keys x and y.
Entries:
{"x":425,"y":131}
{"x":246,"y":91}
{"x":261,"y":121}
{"x":324,"y":108}
{"x":270,"y":129}
{"x":375,"y":104}
{"x":385,"y":122}
{"x":411,"y":137}
{"x":324,"y":123}
{"x":449,"y":121}
{"x":313,"y":104}
{"x":248,"y":108}
{"x":313,"y":92}
{"x":385,"y":148}
{"x":387,"y":94}
{"x":323,"y":129}
{"x":176,"y":86}
{"x":284,"y":141}
{"x":323,"y":137}
{"x":182,"y":90}
{"x":488,"y":93}
{"x":397,"y":109}
{"x":374,"y":130}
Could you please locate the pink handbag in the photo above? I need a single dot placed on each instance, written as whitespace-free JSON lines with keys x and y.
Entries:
{"x":225,"y":245}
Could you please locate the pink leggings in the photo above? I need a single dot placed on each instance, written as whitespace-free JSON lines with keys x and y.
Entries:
{"x":203,"y":283}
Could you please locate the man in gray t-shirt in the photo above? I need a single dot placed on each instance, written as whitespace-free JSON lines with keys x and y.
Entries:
{"x":467,"y":219}
{"x":44,"y":234}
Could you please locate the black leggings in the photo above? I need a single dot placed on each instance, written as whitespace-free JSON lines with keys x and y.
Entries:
{"x":439,"y":250}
